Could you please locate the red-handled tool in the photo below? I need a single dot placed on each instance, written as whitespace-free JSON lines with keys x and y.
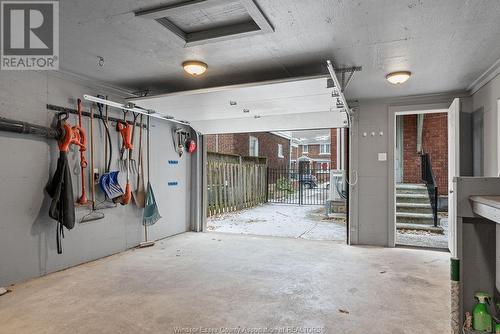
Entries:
{"x":69,"y":135}
{"x":125,"y":130}
{"x":80,"y":134}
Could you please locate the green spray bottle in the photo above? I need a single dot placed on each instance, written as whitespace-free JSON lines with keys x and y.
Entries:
{"x":481,"y":318}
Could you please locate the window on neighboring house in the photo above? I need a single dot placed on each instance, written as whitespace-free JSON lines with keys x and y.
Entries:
{"x":253,"y":147}
{"x":305,"y":148}
{"x":280,"y":151}
{"x":324,"y":149}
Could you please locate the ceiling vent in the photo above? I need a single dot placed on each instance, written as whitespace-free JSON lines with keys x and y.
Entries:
{"x":199,"y":22}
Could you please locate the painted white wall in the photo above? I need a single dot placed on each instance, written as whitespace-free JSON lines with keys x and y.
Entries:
{"x":27,"y":234}
{"x":487,"y":98}
{"x":371,"y":204}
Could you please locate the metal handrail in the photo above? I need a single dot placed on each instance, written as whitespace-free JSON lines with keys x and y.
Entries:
{"x":431,"y":184}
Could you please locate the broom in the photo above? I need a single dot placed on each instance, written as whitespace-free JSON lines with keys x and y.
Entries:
{"x":93,"y":214}
{"x":151,"y":214}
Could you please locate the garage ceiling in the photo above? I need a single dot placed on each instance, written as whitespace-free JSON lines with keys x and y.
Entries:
{"x":447,"y":44}
{"x":300,"y":103}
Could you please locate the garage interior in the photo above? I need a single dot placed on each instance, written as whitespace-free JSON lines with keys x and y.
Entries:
{"x":104,"y":164}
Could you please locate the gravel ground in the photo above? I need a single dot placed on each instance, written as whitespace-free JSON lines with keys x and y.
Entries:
{"x":281,"y":220}
{"x":423,"y":238}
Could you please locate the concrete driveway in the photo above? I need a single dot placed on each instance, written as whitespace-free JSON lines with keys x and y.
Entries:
{"x":281,"y":220}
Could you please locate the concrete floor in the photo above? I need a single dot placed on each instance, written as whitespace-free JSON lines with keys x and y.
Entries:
{"x":213,"y":280}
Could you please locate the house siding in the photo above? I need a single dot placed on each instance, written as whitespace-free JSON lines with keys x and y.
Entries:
{"x":434,"y":142}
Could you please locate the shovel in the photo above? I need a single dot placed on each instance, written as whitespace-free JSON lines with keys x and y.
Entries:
{"x":108,"y":182}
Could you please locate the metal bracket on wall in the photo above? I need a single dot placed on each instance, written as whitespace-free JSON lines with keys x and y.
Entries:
{"x":87,"y":114}
{"x":341,"y":100}
{"x":346,"y":75}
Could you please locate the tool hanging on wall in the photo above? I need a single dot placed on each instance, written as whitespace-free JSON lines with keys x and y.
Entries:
{"x":139,"y":195}
{"x":179,"y":137}
{"x":80,"y":132}
{"x":93,"y":214}
{"x":151,"y":214}
{"x":183,"y":141}
{"x":108,"y":182}
{"x":125,"y":130}
{"x":131,"y":161}
{"x":60,"y":188}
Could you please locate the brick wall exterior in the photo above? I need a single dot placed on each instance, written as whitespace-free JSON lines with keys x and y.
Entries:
{"x":333,"y":149}
{"x":239,"y":143}
{"x":313,"y":153}
{"x":220,"y":143}
{"x":434,"y":142}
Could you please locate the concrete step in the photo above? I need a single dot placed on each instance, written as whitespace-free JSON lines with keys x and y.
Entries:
{"x":414,"y":207}
{"x":414,"y":218}
{"x":412,"y":198}
{"x":411,"y":188}
{"x":420,"y":227}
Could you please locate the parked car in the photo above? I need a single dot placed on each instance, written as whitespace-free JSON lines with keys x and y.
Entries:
{"x":309,"y":181}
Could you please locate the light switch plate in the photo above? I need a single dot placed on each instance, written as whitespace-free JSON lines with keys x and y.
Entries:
{"x":382,"y":157}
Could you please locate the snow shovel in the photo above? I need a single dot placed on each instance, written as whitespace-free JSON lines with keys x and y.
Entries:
{"x":108,"y":182}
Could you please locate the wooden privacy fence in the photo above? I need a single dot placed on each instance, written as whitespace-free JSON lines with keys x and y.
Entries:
{"x":235,"y":185}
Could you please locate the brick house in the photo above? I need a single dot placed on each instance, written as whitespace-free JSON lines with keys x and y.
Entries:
{"x":432,"y":138}
{"x":322,"y":149}
{"x":275,"y":146}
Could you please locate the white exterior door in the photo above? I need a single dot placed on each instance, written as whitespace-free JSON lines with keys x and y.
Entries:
{"x":453,"y":171}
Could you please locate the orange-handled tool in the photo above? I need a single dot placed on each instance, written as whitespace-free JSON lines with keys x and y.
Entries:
{"x":80,"y":134}
{"x":125,"y":130}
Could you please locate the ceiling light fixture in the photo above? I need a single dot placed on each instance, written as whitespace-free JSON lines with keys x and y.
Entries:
{"x":194,"y":67}
{"x":398,"y":78}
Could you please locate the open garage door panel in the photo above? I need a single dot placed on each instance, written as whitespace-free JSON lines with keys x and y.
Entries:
{"x":291,"y":104}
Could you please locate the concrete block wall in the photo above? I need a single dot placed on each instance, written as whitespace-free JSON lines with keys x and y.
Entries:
{"x":27,"y":234}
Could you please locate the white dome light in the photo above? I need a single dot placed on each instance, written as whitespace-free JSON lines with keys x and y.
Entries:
{"x":398,"y":78}
{"x":194,"y":67}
